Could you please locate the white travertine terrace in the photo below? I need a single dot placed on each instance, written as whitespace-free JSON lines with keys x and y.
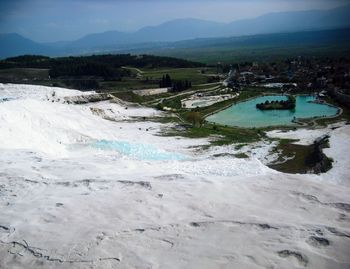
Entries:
{"x":67,"y":204}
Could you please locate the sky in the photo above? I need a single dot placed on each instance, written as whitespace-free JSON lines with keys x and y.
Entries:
{"x":59,"y":20}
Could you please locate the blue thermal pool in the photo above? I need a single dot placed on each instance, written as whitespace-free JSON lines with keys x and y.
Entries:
{"x":245,"y":114}
{"x":138,"y":151}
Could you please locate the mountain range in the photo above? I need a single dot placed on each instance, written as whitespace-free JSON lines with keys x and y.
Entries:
{"x":13,"y":44}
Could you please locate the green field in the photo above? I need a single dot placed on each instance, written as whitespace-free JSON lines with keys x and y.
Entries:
{"x":234,"y":54}
{"x":149,"y":78}
{"x":127,"y":84}
{"x":194,"y":75}
{"x":146,"y":79}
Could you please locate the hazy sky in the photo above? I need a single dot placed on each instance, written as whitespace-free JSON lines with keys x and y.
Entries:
{"x":53,"y":20}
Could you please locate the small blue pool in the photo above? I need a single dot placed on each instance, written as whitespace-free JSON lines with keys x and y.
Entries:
{"x":138,"y":151}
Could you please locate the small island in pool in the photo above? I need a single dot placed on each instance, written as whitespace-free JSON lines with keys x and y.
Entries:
{"x":278,"y":104}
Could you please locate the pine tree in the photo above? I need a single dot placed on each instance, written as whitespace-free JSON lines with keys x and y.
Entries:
{"x":167,"y":81}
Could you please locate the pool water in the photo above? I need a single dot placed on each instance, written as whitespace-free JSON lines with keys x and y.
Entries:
{"x":245,"y":114}
{"x":138,"y":151}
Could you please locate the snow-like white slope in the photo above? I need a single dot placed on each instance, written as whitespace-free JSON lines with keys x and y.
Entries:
{"x":23,"y":91}
{"x":304,"y":136}
{"x":339,"y":151}
{"x":34,"y":123}
{"x":79,"y":191}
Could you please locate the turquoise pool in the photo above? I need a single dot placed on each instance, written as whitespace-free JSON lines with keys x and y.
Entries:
{"x":138,"y":151}
{"x":245,"y":114}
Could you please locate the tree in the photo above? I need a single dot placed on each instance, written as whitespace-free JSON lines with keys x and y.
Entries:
{"x":165,"y":82}
{"x":195,"y":118}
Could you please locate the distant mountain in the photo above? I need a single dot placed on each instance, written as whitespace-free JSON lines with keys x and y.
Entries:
{"x":101,"y":40}
{"x":170,"y":31}
{"x":178,"y":30}
{"x":291,"y":22}
{"x":183,"y":29}
{"x":15,"y":44}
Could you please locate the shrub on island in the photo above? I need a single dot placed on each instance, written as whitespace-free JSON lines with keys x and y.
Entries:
{"x":282,"y":104}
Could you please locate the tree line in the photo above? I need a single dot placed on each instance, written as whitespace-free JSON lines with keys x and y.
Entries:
{"x":111,"y":60}
{"x":175,"y":85}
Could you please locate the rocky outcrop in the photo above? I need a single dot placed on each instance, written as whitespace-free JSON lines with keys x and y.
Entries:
{"x":88,"y":98}
{"x":318,"y":161}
